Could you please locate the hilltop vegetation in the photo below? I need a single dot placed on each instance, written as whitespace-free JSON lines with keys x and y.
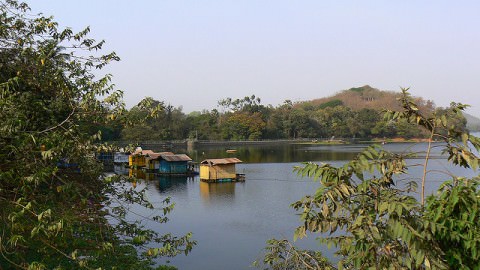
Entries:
{"x":366,"y":97}
{"x":353,"y":113}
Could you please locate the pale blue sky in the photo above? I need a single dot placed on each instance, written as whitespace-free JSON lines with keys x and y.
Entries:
{"x":194,"y":53}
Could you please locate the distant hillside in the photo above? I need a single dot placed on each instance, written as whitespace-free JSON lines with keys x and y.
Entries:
{"x":473,"y":123}
{"x":365,"y":97}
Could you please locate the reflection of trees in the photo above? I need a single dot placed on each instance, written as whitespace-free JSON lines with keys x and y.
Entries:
{"x":280,"y":153}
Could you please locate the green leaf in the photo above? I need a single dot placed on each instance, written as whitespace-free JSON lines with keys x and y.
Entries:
{"x":325,"y":210}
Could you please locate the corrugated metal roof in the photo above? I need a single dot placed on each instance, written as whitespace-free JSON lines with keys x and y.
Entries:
{"x":178,"y":157}
{"x":157,"y":155}
{"x":153,"y":155}
{"x":150,"y":153}
{"x":220,"y":161}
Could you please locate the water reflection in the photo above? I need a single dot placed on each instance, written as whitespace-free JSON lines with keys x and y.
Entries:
{"x":217,"y":192}
{"x":283,"y":153}
{"x":274,"y":153}
{"x":234,"y":220}
{"x":162,"y":183}
{"x":121,"y":169}
{"x":141,"y":174}
{"x":165,"y":183}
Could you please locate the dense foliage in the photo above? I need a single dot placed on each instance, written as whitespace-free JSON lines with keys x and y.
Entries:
{"x":368,"y":209}
{"x":355,"y":113}
{"x":57,"y":209}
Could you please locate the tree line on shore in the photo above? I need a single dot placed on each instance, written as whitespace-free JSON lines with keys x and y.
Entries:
{"x":353,"y":113}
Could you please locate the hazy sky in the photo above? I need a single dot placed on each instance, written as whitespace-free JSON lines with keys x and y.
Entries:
{"x":194,"y":53}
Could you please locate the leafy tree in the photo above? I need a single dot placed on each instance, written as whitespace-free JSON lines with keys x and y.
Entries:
{"x":376,"y":224}
{"x":243,"y":126}
{"x":334,"y":121}
{"x":203,"y":125}
{"x":245,"y":118}
{"x":298,"y":124}
{"x":141,"y":121}
{"x":153,"y":120}
{"x":249,"y":104}
{"x":57,"y":208}
{"x":275,"y":125}
{"x":363,"y":122}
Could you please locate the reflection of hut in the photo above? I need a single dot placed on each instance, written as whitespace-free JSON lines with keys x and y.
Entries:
{"x":218,"y":191}
{"x":221,"y":169}
{"x":138,"y":174}
{"x":174,"y":164}
{"x":120,"y":169}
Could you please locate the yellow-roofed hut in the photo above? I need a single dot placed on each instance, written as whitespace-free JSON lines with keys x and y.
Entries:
{"x":220,"y":170}
{"x":138,"y":158}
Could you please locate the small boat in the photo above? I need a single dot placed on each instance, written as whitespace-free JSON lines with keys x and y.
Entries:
{"x":231,"y":151}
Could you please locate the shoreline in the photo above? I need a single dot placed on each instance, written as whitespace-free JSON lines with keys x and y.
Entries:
{"x":306,"y":141}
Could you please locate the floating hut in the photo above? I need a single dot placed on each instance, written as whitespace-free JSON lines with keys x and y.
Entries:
{"x":138,"y":158}
{"x":162,"y":163}
{"x":220,"y":170}
{"x":174,"y":164}
{"x":152,"y":160}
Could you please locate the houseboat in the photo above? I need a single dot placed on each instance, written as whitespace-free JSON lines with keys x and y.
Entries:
{"x":138,"y":159}
{"x":220,"y":170}
{"x":152,"y":161}
{"x":162,"y":163}
{"x":174,"y":164}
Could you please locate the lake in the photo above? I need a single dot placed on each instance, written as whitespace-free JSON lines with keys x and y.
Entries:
{"x":233,"y":221}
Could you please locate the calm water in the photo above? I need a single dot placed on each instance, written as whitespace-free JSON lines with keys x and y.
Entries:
{"x":232,"y":221}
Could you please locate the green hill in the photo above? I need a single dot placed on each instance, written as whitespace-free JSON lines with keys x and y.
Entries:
{"x":365,"y":97}
{"x":358,"y":98}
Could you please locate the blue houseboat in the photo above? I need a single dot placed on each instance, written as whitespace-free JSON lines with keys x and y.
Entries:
{"x":174,"y":164}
